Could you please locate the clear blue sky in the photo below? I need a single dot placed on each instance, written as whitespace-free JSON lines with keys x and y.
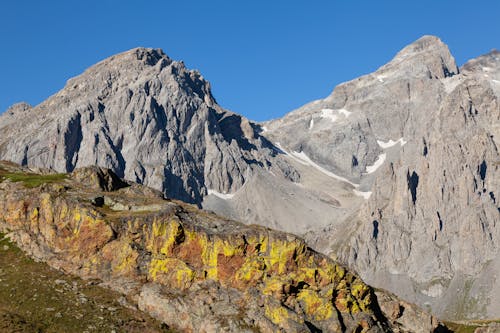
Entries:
{"x":263,"y":58}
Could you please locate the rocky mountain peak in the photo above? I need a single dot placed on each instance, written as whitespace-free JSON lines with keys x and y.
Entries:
{"x":148,"y":119}
{"x":427,"y":56}
{"x":485,"y":64}
{"x":18,"y":107}
{"x":146,"y":56}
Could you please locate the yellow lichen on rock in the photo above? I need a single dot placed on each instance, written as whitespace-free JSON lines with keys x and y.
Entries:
{"x":274,"y":285}
{"x":251,"y":271}
{"x":321,"y":308}
{"x":164,"y":235}
{"x":172,"y":272}
{"x":281,"y":254}
{"x":277,"y":314}
{"x":124,"y":259}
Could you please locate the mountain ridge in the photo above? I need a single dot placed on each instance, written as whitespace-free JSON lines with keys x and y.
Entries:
{"x":391,"y":168}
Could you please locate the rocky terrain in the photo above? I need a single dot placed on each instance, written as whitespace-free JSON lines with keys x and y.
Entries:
{"x":192,"y":270}
{"x":395,"y":174}
{"x":153,"y":121}
{"x":428,"y":230}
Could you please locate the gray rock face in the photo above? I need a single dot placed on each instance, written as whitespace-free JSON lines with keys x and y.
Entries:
{"x":395,"y":173}
{"x":429,"y":230}
{"x":152,"y":121}
{"x":145,"y":117}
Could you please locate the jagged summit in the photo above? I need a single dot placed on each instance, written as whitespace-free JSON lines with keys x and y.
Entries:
{"x":489,"y":62}
{"x":427,"y":56}
{"x":402,"y":162}
{"x":416,"y":137}
{"x":147,"y":55}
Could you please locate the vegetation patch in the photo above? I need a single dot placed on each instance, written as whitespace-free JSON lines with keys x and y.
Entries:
{"x":37,"y":298}
{"x":469,"y":326}
{"x":31,"y":180}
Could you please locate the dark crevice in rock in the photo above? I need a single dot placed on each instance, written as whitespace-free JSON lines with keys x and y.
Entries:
{"x":482,"y":170}
{"x":425,"y":148}
{"x":375,"y":229}
{"x":492,"y":196}
{"x":354,"y":161}
{"x":412,"y":185}
{"x":25,"y":157}
{"x":72,"y":140}
{"x":440,"y":221}
{"x":312,"y":328}
{"x":98,"y":201}
{"x":446,"y":71}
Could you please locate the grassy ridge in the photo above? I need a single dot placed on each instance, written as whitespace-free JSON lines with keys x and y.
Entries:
{"x":31,"y":179}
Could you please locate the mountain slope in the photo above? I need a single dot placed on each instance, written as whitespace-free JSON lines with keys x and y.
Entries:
{"x":147,"y":118}
{"x":177,"y":262}
{"x":152,"y":121}
{"x":421,"y":139}
{"x":395,"y":173}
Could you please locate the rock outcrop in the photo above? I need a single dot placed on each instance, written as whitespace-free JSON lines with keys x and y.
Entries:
{"x":193,"y":270}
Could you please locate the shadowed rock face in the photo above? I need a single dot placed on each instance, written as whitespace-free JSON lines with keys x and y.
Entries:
{"x":178,"y":262}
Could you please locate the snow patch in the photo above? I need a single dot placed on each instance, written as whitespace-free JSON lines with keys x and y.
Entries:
{"x":365,"y":195}
{"x":495,"y":81}
{"x":333,"y":114}
{"x":329,"y":113}
{"x":290,"y":155}
{"x":224,"y":196}
{"x":264,"y":129}
{"x":345,"y":112}
{"x":378,"y":163}
{"x":306,"y":160}
{"x":381,"y":78}
{"x":311,"y":123}
{"x":391,"y":143}
{"x":303,"y":159}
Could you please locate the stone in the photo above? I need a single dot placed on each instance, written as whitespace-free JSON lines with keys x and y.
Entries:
{"x":395,"y":173}
{"x":190,"y":269}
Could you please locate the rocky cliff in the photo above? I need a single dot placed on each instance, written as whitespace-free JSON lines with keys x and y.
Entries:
{"x":192,"y":270}
{"x":395,"y":173}
{"x":420,"y":138}
{"x":153,"y":121}
{"x":147,"y":118}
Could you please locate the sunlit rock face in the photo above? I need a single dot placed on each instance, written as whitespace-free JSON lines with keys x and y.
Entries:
{"x":176,"y":261}
{"x":395,"y":173}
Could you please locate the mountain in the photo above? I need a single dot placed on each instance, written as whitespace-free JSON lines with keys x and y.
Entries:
{"x":152,"y":121}
{"x":420,"y":137}
{"x":147,"y":118}
{"x":190,"y":269}
{"x":394,"y":174}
